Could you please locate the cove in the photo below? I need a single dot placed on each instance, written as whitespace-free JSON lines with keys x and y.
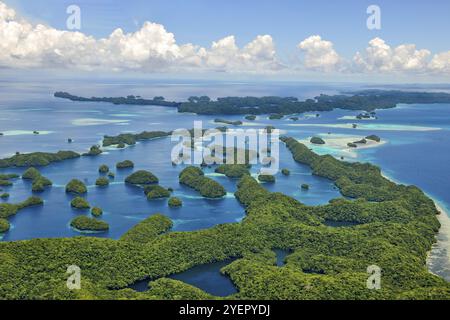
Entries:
{"x":206,"y":277}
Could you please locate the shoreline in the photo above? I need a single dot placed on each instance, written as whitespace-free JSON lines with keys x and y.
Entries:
{"x":438,"y":257}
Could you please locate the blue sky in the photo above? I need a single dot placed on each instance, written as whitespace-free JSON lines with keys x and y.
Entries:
{"x":423,"y":23}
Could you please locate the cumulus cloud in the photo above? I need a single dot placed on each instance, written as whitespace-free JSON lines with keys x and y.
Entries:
{"x":319,"y":54}
{"x":153,"y":49}
{"x":441,"y":62}
{"x":378,"y":57}
{"x":150,"y":49}
{"x":381,"y":57}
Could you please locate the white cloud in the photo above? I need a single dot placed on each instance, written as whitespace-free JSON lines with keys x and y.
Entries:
{"x":153,"y":49}
{"x":441,"y":63}
{"x":319,"y":54}
{"x":381,"y":57}
{"x":150,"y":49}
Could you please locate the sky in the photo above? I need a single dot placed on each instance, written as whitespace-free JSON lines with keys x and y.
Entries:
{"x":283,"y":39}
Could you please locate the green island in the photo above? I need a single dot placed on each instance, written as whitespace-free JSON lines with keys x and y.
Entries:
{"x":4,"y":225}
{"x":9,"y":176}
{"x":136,"y":100}
{"x":102,"y":182}
{"x":156,"y":192}
{"x":233,"y":123}
{"x":268,"y":178}
{"x":39,"y":182}
{"x":5,"y":183}
{"x":367,"y":100}
{"x":130,"y":139}
{"x":141,"y":177}
{"x":76,"y":186}
{"x":285,"y":172}
{"x":194,"y":178}
{"x":250,"y":117}
{"x":125,"y":164}
{"x":37,"y":159}
{"x":276,"y":116}
{"x":233,"y":170}
{"x":84,"y":223}
{"x":9,"y":209}
{"x":4,"y":196}
{"x":175,"y":202}
{"x":374,"y":137}
{"x":93,"y":151}
{"x":103,"y":169}
{"x":305,"y":186}
{"x":80,"y":203}
{"x":317,"y":140}
{"x":96,"y":211}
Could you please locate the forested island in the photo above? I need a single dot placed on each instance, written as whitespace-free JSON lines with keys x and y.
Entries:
{"x":393,"y":227}
{"x":156,"y":101}
{"x":366,"y":100}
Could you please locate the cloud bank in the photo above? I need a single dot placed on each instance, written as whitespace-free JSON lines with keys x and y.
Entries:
{"x":152,"y":49}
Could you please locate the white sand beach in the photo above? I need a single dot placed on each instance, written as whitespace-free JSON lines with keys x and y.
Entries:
{"x":438,"y":258}
{"x":336,"y":145}
{"x":96,"y":122}
{"x":368,"y":126}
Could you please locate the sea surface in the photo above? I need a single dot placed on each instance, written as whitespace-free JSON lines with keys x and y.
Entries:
{"x":414,"y":150}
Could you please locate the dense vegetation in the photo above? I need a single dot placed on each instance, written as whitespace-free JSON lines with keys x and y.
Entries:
{"x":396,"y":228}
{"x":266,"y":178}
{"x":84,"y":223}
{"x":36,"y":159}
{"x":374,"y":138}
{"x":93,"y":151}
{"x":233,"y":170}
{"x":136,"y":100}
{"x":233,"y":123}
{"x":141,"y":177}
{"x":39,"y":182}
{"x":96,"y":211}
{"x":156,"y":192}
{"x":367,"y":100}
{"x":175,"y":202}
{"x":79,"y":203}
{"x":148,"y":229}
{"x":317,"y":140}
{"x":102,"y":182}
{"x":193,"y":177}
{"x":76,"y":186}
{"x":9,"y":209}
{"x":4,"y":225}
{"x":131,"y":139}
{"x":125,"y":164}
{"x":103,"y":168}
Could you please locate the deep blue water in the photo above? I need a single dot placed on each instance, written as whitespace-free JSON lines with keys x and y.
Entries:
{"x":415,"y":151}
{"x":206,"y":277}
